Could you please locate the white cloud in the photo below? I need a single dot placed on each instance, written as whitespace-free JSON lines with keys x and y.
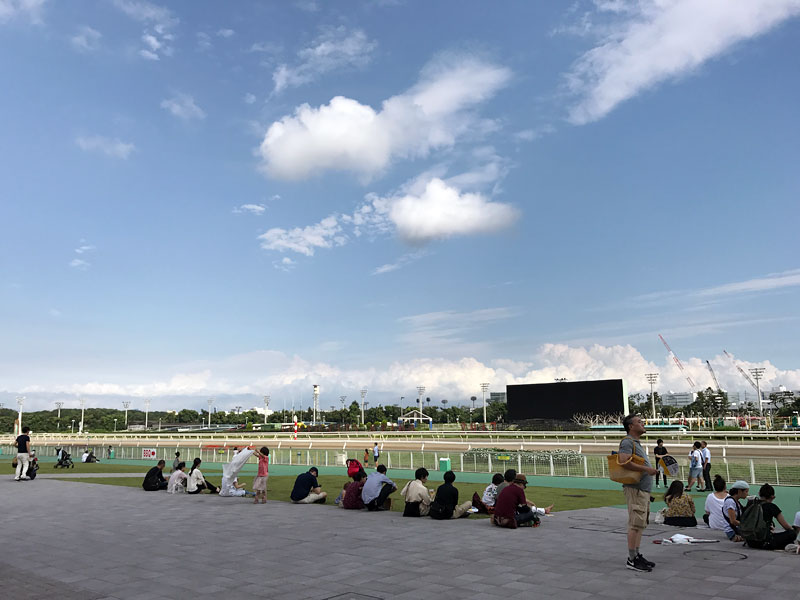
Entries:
{"x":183,"y":106}
{"x":760,"y":284}
{"x":284,"y":264}
{"x":108,"y":146}
{"x":84,"y":249}
{"x":401,"y":262}
{"x":79,"y":263}
{"x":254,"y":209}
{"x":159,"y":21}
{"x":265,"y":47}
{"x":441,"y":211}
{"x":347,"y":135}
{"x":225,"y":33}
{"x":203,"y":41}
{"x":450,"y":328}
{"x":29,"y":10}
{"x":305,"y":240}
{"x":249,"y":98}
{"x":335,"y":49}
{"x":86,"y":40}
{"x":652,"y":41}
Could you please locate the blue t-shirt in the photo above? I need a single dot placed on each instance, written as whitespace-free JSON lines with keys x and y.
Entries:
{"x":303,"y":485}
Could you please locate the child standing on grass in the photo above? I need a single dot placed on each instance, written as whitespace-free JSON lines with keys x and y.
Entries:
{"x":366,"y":457}
{"x":260,"y":482}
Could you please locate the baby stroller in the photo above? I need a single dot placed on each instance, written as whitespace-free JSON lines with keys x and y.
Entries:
{"x":64,"y":460}
{"x":33,"y":466}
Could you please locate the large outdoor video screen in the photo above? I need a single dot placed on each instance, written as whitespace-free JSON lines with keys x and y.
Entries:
{"x":561,"y":400}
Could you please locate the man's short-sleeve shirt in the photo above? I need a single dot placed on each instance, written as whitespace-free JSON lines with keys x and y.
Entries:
{"x":632,"y":446}
{"x":303,"y":485}
{"x":22,"y":443}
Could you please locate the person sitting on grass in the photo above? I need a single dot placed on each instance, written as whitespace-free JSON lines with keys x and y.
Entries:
{"x":307,"y":490}
{"x":196,"y":483}
{"x":154,"y":480}
{"x":445,"y":504}
{"x":490,"y":493}
{"x":338,"y":500}
{"x":351,"y":496}
{"x":416,"y":495}
{"x":508,"y":479}
{"x":713,"y":506}
{"x":680,"y":507}
{"x":377,"y":489}
{"x":512,"y":509}
{"x":177,"y":480}
{"x":235,"y":489}
{"x":732,"y":510}
{"x":775,"y":540}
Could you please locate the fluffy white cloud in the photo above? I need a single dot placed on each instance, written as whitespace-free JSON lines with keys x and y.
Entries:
{"x":225,"y":33}
{"x":456,"y":379}
{"x":108,"y":146}
{"x":347,"y":135}
{"x":401,"y":262}
{"x":651,"y":41}
{"x":441,"y":211}
{"x":29,"y":10}
{"x":305,"y":240}
{"x":183,"y":106}
{"x":335,"y":49}
{"x":79,"y":263}
{"x":86,"y":40}
{"x":159,"y":21}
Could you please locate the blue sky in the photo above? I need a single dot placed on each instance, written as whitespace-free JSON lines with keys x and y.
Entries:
{"x":256,"y":197}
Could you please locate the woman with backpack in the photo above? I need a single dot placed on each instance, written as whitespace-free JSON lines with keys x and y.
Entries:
{"x":732,"y":510}
{"x":769,"y":510}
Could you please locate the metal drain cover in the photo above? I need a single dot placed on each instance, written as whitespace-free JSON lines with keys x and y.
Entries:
{"x":352,"y":596}
{"x":717,"y":555}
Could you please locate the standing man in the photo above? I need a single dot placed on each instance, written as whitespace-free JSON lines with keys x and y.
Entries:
{"x":23,"y":454}
{"x":660,"y":451}
{"x":695,"y":467}
{"x":637,"y":495}
{"x":706,"y":466}
{"x":375,"y":454}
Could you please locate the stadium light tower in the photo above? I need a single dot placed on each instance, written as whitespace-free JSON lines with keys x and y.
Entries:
{"x":20,"y":403}
{"x":484,"y":389}
{"x":210,"y":404}
{"x":652,"y":378}
{"x":125,"y":405}
{"x":83,"y":409}
{"x":266,"y":408}
{"x":146,"y":412}
{"x":58,"y":406}
{"x":420,"y":391}
{"x":363,"y":395}
{"x":758,"y":373}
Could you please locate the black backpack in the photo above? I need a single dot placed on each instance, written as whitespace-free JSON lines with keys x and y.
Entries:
{"x":752,"y":525}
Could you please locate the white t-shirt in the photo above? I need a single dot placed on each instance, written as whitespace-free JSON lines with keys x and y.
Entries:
{"x":797,"y":519}
{"x":195,"y":479}
{"x":697,"y":457}
{"x":714,"y":509}
{"x":175,"y":485}
{"x":84,"y":456}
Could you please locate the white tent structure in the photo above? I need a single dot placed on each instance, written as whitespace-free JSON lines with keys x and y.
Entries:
{"x":231,"y":472}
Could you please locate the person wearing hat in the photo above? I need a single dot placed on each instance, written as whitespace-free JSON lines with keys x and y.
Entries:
{"x":732,"y":510}
{"x":512,"y":508}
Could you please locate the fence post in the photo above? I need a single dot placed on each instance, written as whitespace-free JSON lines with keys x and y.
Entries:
{"x":462,"y":461}
{"x":411,"y":460}
{"x":326,"y":458}
{"x":388,"y":460}
{"x":435,"y":460}
{"x":777,"y":476}
{"x":290,"y":456}
{"x":308,"y":457}
{"x":727,"y":471}
{"x":489,"y":458}
{"x":752,"y":473}
{"x":585,"y":466}
{"x":519,"y":463}
{"x":552,"y":471}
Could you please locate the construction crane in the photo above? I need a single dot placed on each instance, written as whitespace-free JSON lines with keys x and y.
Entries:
{"x":742,"y":371}
{"x":677,"y":362}
{"x":713,"y":376}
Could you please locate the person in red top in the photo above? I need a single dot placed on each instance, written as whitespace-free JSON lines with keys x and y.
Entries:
{"x":352,"y":495}
{"x":260,"y":482}
{"x":507,"y":511}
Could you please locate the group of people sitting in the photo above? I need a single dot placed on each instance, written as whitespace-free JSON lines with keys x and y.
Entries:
{"x":724,"y":511}
{"x":179,"y":480}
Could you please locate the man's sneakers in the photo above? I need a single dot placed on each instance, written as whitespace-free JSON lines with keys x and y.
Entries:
{"x":640,"y":564}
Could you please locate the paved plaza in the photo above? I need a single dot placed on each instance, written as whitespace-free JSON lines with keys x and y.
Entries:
{"x":78,"y":541}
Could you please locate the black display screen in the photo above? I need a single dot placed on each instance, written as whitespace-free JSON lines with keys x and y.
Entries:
{"x":562,"y":400}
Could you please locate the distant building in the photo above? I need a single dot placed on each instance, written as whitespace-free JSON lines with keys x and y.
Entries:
{"x":678,"y":399}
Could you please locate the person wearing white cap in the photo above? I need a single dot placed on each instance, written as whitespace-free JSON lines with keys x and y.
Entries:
{"x":732,"y":510}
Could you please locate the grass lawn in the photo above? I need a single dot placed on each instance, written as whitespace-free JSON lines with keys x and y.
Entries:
{"x":279,"y":488}
{"x":103,"y":467}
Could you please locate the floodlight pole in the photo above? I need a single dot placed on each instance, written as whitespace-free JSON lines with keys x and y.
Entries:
{"x":484,"y":389}
{"x":58,"y":406}
{"x":210,"y":404}
{"x":20,"y":403}
{"x":363,"y":395}
{"x":266,"y":408}
{"x":758,"y":373}
{"x":146,"y":412}
{"x":83,"y":409}
{"x":420,"y":391}
{"x":652,"y":378}
{"x":125,"y":405}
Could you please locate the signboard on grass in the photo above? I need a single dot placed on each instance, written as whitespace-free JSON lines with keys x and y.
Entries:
{"x":148,"y":453}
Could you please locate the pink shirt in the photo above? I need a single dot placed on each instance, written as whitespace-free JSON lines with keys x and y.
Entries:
{"x":263,"y":466}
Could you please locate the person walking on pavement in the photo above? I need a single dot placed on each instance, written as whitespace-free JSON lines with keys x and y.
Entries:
{"x":637,"y":495}
{"x":23,"y":444}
